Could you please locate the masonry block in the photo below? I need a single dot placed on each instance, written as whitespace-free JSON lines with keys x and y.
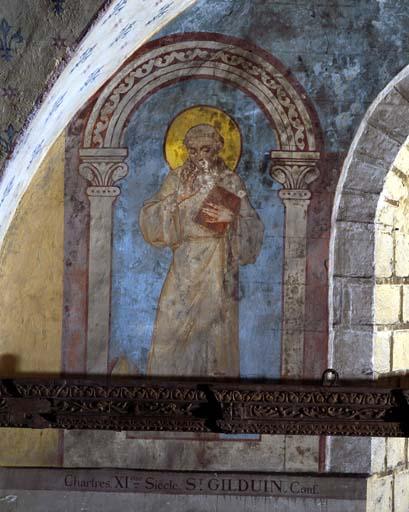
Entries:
{"x":395,"y":452}
{"x":384,"y":254}
{"x":405,"y":303}
{"x":376,"y":143}
{"x":394,"y":188}
{"x":357,"y":206}
{"x":354,"y":250}
{"x":387,"y":304}
{"x":380,"y":498}
{"x":391,"y":115}
{"x":365,"y":174}
{"x":402,"y":255}
{"x":352,"y":352}
{"x":400,"y":356}
{"x":386,"y":214}
{"x":402,"y":160}
{"x":401,"y":491}
{"x":350,"y":454}
{"x":378,"y":458}
{"x":360,"y":302}
{"x":403,"y":86}
{"x":382,"y":352}
{"x":400,"y":225}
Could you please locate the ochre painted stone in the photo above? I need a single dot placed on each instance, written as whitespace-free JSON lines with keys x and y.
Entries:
{"x":31,"y":280}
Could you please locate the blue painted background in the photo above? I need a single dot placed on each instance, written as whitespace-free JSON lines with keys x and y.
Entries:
{"x":139,"y":269}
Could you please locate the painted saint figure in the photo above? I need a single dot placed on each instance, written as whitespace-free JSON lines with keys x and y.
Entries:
{"x":203,"y":213}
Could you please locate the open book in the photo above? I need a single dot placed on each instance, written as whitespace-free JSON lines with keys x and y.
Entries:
{"x":219,"y":196}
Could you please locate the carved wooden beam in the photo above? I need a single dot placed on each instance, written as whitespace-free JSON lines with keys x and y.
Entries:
{"x":212,"y":406}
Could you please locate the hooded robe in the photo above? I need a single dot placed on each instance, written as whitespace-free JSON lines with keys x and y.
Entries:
{"x":196,"y":325}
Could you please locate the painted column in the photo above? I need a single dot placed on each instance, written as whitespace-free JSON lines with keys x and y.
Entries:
{"x":295,"y":171}
{"x":102,"y":167}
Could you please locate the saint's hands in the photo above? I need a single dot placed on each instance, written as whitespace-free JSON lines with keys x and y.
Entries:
{"x":186,"y":195}
{"x":218,"y":213}
{"x":172,"y":202}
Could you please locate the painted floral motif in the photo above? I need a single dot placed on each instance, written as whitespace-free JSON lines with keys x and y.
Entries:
{"x":84,"y":56}
{"x":60,"y":43}
{"x":91,"y":78}
{"x":162,"y":11}
{"x":8,"y":40}
{"x":58,"y":6}
{"x":10,"y":93}
{"x":116,"y":10}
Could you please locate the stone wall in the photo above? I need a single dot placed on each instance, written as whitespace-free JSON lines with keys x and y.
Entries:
{"x":352,"y":278}
{"x":370,"y":281}
{"x":391,"y":344}
{"x":389,"y":484}
{"x":388,"y":488}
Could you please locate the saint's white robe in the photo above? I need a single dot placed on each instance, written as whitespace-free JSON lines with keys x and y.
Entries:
{"x":196,"y":326}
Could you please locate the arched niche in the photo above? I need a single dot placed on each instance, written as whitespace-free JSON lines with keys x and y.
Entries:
{"x":294,"y":164}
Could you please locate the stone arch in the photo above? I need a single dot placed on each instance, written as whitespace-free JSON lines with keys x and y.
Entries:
{"x":368,"y":283}
{"x":355,"y":228}
{"x":369,"y":189}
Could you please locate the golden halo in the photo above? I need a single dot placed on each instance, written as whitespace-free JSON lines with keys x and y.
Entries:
{"x":174,"y":149}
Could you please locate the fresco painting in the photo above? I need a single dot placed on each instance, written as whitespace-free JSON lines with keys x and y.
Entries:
{"x":180,"y":225}
{"x":187,"y":232}
{"x":139,"y":273}
{"x":198,"y":164}
{"x":202,"y":212}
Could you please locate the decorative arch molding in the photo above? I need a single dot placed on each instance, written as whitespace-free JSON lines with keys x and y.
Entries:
{"x":370,"y":159}
{"x":294,"y":164}
{"x":211,"y":56}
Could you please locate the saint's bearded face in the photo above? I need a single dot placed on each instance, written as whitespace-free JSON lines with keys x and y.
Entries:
{"x":203,"y":151}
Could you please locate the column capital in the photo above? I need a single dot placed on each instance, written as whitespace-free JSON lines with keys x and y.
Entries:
{"x":295,"y":170}
{"x":103,"y":167}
